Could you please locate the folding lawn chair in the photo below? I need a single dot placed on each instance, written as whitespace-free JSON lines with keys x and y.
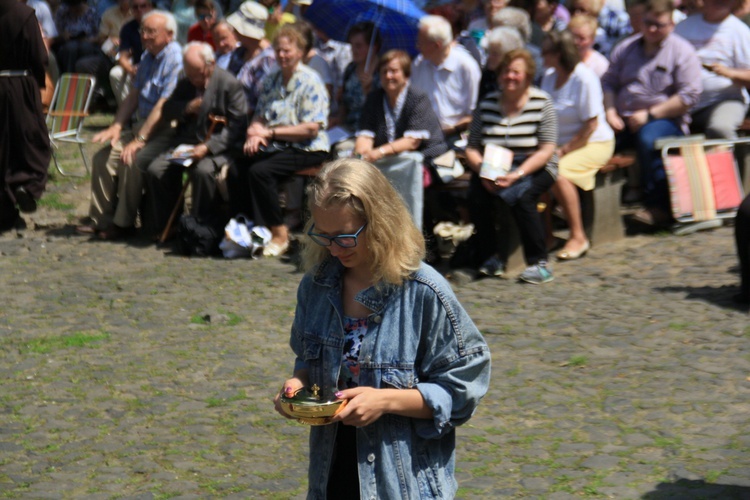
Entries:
{"x":704,"y":181}
{"x":68,"y":109}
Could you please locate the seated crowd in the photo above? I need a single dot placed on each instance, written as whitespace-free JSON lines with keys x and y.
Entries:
{"x":561,"y":86}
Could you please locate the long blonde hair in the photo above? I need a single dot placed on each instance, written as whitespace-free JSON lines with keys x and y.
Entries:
{"x":394,"y":242}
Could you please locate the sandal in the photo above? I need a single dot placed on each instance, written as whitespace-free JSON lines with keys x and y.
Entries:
{"x":275,"y":249}
{"x":86,"y":230}
{"x":573,"y":255}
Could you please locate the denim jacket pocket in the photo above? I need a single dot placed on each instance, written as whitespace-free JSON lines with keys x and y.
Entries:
{"x":312,"y":349}
{"x":323,"y":358}
{"x":430,"y":476}
{"x":399,"y":378}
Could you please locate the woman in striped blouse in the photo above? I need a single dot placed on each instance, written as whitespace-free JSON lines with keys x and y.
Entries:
{"x":520,"y":118}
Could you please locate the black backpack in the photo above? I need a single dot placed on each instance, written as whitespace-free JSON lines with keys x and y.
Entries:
{"x":199,"y":237}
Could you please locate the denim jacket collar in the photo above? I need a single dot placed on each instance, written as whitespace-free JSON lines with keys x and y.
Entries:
{"x":330,"y":274}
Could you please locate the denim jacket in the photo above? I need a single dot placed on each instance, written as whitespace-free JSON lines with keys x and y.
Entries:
{"x":418,"y":336}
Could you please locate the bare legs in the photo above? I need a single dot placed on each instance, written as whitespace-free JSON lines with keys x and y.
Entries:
{"x":566,"y":194}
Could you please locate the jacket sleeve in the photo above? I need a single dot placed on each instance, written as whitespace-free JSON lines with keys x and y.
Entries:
{"x":235,"y":109}
{"x":174,"y":107}
{"x":455,"y":366}
{"x":295,"y":341}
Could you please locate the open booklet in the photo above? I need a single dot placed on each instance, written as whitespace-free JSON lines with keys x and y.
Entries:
{"x":497,"y":162}
{"x":182,"y":155}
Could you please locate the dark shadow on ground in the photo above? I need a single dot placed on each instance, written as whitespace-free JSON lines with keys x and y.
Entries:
{"x":136,"y":240}
{"x":686,"y":489}
{"x":722,"y":296}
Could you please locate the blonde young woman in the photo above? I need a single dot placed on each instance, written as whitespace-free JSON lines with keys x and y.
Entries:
{"x":379,"y":328}
{"x":586,"y":142}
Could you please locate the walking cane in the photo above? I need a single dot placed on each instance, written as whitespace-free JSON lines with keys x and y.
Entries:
{"x":181,"y":199}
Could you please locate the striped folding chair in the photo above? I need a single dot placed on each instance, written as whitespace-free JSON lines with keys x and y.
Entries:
{"x":68,"y":109}
{"x":704,"y":181}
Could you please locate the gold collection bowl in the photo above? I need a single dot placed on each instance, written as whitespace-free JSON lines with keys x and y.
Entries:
{"x":309,"y":407}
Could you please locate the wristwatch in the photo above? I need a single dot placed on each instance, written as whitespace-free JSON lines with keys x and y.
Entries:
{"x":520,"y":172}
{"x":140,"y":138}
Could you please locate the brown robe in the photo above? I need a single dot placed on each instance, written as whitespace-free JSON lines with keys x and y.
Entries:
{"x":24,"y":141}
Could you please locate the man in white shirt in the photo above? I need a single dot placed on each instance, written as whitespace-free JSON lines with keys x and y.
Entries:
{"x":448,"y":74}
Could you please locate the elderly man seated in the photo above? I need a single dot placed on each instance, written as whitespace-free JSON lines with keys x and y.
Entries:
{"x":448,"y":74}
{"x":204,"y":93}
{"x":652,"y":82}
{"x":117,"y":185}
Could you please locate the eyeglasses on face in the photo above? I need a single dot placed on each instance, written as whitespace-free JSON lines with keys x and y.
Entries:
{"x":342,"y":240}
{"x":148,"y":31}
{"x":650,"y":23}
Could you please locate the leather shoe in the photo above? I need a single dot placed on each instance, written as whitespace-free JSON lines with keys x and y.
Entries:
{"x":652,"y":217}
{"x":26,"y":203}
{"x":573,"y":255}
{"x":114,"y":232}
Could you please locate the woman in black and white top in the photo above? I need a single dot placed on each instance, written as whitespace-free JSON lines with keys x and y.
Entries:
{"x":521,"y":118}
{"x":399,"y":131}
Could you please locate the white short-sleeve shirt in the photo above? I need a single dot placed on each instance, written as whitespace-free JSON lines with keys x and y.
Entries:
{"x":576,"y":102}
{"x":453,"y":87}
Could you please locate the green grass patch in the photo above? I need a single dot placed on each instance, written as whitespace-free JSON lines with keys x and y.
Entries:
{"x":234,"y":319}
{"x":713,"y":475}
{"x":200,"y":319}
{"x":214,"y":402}
{"x":54,"y":201}
{"x":577,"y":361}
{"x":663,"y":442}
{"x":45,"y":345}
{"x":677,"y":326}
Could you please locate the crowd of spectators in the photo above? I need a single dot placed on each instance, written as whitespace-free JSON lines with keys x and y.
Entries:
{"x":561,"y":85}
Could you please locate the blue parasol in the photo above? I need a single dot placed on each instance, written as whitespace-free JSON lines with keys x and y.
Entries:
{"x":396,"y":20}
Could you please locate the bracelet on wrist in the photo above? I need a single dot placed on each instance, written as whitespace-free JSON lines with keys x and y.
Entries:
{"x":381,"y":151}
{"x":273,"y":134}
{"x":140,"y":138}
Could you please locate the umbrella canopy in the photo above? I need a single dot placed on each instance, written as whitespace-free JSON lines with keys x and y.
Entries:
{"x":396,"y":20}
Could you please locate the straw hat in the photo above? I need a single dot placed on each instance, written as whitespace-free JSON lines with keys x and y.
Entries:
{"x":249,"y":20}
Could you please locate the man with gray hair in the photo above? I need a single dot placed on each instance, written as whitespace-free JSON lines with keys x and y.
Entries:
{"x":206,"y":91}
{"x":116,"y":183}
{"x":513,"y":17}
{"x":448,"y":74}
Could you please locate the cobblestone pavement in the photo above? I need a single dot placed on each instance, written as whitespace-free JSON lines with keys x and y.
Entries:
{"x":127,"y":372}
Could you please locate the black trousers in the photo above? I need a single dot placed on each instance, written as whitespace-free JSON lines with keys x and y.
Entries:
{"x":164,"y":183}
{"x":484,"y":209}
{"x":742,"y":238}
{"x":253,"y":182}
{"x":343,"y":480}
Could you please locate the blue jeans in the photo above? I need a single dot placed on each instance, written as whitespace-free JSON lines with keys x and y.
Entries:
{"x":653,"y":177}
